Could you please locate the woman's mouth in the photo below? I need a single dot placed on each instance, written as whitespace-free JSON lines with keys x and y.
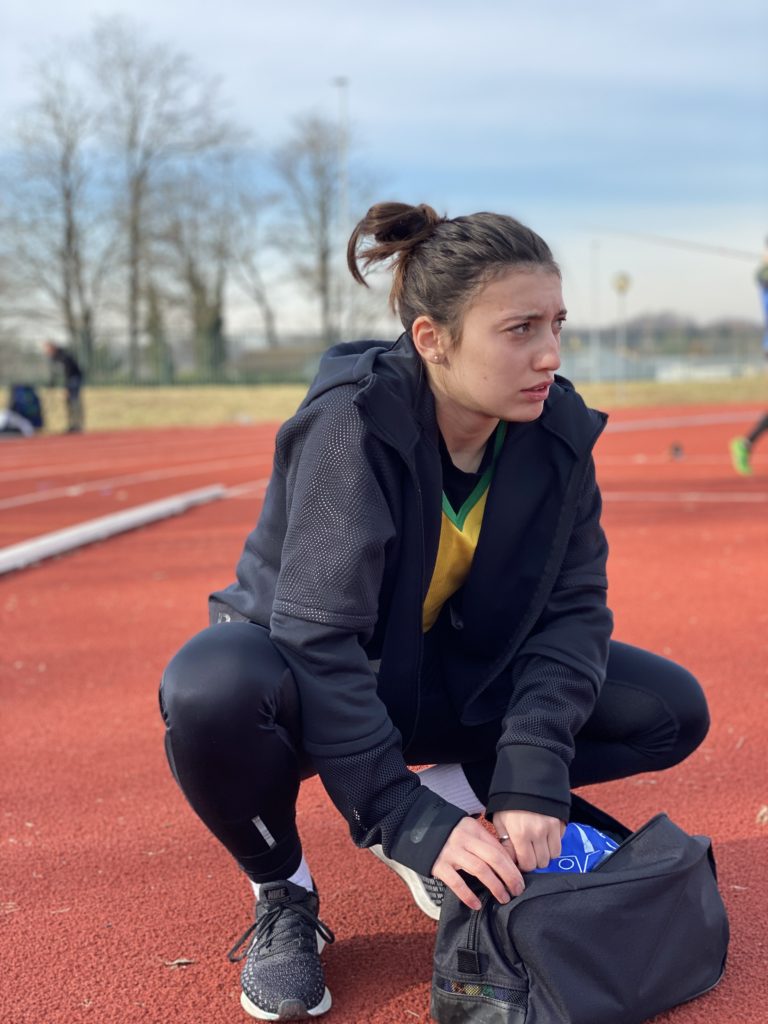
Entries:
{"x":539,"y":392}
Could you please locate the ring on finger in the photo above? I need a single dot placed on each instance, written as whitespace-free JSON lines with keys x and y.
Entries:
{"x":504,"y":838}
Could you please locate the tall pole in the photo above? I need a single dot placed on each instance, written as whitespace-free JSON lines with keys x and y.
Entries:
{"x":621,"y":283}
{"x":341,"y":82}
{"x":594,"y":332}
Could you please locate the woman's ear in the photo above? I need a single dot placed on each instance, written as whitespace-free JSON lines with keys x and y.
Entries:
{"x":428,"y":339}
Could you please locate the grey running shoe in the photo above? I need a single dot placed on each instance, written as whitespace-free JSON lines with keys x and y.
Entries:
{"x":427,"y":892}
{"x":282,"y":976}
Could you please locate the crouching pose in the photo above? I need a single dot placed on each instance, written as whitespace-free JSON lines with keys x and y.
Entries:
{"x":425,"y":586}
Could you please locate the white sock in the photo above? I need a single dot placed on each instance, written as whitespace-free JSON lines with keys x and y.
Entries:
{"x":301,"y":876}
{"x":450,"y":782}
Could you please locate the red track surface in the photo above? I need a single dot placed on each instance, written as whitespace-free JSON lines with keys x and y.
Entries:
{"x":107,"y":877}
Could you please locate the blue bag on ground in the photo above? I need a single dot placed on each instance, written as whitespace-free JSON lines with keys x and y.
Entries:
{"x":24,"y":400}
{"x":643,"y":930}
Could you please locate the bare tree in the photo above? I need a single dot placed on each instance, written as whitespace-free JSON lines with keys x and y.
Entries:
{"x":160,"y":352}
{"x":158,"y":113}
{"x":56,"y":237}
{"x":248,"y":250}
{"x":194,"y":243}
{"x":308,"y":167}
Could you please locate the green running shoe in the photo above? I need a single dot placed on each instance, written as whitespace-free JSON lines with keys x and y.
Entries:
{"x":740,"y":450}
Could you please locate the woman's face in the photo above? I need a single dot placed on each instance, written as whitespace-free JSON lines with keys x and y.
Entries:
{"x":509,"y":349}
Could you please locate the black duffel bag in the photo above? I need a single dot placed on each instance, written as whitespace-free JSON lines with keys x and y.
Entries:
{"x":642,"y":932}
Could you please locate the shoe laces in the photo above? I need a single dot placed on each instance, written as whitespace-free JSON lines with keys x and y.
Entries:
{"x":434,"y":888}
{"x":292,"y":919}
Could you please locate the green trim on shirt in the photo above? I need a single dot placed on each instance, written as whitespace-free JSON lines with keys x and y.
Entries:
{"x":458,"y":518}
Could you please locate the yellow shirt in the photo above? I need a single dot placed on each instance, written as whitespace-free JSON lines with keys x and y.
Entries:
{"x":459,"y":534}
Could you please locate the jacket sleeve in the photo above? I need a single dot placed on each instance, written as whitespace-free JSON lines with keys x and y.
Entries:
{"x":557,"y":675}
{"x":325,"y":607}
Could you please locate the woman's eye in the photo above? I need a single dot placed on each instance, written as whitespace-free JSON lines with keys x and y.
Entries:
{"x":520,"y":329}
{"x":559,"y":324}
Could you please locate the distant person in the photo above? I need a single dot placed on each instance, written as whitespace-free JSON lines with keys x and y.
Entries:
{"x":73,"y":383}
{"x":762,"y":283}
{"x":741,"y":447}
{"x":426,"y":585}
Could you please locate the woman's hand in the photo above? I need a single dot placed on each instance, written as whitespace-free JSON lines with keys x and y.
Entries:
{"x":534,"y":839}
{"x":475,"y":850}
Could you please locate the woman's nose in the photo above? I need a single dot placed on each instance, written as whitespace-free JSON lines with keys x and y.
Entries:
{"x":548,"y":357}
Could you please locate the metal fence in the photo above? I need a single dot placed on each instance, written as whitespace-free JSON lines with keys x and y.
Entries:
{"x":250,"y":362}
{"x":246,"y":363}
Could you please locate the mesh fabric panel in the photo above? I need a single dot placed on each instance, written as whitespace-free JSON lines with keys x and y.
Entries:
{"x":338,"y":521}
{"x":548,"y":706}
{"x":374,"y":810}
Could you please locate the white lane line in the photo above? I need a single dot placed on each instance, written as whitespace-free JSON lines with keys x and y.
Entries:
{"x":699,"y":420}
{"x":641,"y":459}
{"x":75,"y":490}
{"x":65,"y":469}
{"x":18,"y":556}
{"x":682,"y":497}
{"x":255,"y":488}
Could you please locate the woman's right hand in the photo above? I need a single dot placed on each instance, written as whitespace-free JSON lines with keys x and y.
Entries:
{"x":474,"y":850}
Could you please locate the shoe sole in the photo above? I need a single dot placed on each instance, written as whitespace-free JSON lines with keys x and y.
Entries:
{"x":290,"y":1009}
{"x":412,"y":880}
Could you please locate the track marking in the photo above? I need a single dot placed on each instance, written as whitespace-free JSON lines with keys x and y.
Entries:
{"x":680,"y":497}
{"x":641,"y":459}
{"x":701,"y":420}
{"x":18,"y":556}
{"x":59,"y":469}
{"x":75,"y":490}
{"x":255,"y":488}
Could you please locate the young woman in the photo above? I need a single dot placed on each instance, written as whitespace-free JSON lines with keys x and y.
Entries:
{"x":425,"y":585}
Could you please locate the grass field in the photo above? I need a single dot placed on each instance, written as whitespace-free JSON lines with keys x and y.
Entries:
{"x":117,"y":408}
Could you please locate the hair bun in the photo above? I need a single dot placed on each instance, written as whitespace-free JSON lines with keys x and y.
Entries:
{"x":402,"y":223}
{"x":396,"y":229}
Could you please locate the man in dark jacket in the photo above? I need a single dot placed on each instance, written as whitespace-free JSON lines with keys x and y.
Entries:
{"x":63,"y":360}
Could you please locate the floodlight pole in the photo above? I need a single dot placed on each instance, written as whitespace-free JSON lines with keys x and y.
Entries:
{"x":594,"y":332}
{"x":341,"y":82}
{"x":621,"y":284}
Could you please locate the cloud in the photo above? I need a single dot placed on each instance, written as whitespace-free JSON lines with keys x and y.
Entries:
{"x":597,"y":112}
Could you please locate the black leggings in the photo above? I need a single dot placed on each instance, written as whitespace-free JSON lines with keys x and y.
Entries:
{"x":759,"y":428}
{"x":233,"y":736}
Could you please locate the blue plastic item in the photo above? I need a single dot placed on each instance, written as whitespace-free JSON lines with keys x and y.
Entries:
{"x":583,"y":848}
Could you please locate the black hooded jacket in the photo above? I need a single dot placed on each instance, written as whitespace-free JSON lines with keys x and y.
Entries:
{"x":339,"y":564}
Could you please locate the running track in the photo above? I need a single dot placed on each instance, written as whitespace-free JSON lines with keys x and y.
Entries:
{"x":116,"y":905}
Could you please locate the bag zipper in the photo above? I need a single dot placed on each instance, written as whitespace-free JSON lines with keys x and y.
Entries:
{"x":468,"y":956}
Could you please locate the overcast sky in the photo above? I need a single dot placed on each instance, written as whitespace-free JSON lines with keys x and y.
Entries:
{"x":591,"y":121}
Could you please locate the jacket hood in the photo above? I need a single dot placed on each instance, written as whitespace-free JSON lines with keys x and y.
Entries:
{"x":349,"y":362}
{"x":392,"y":391}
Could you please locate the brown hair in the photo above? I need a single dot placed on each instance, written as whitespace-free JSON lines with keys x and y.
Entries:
{"x":438,"y":264}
